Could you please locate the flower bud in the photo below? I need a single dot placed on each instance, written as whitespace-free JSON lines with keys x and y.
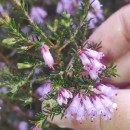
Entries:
{"x":6,"y":17}
{"x":51,"y":103}
{"x":28,"y":100}
{"x":9,"y":41}
{"x":47,"y":56}
{"x":24,"y":65}
{"x":24,"y":47}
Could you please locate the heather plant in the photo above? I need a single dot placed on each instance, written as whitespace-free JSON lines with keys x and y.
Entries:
{"x":54,"y":66}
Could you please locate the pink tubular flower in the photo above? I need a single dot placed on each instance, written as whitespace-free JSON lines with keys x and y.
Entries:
{"x":106,"y":90}
{"x":95,"y":4}
{"x":98,"y":105}
{"x":108,"y":103}
{"x":94,"y":54}
{"x":63,"y":96}
{"x":47,"y":56}
{"x":91,"y":17}
{"x":85,"y":61}
{"x":104,"y":106}
{"x":38,"y":14}
{"x":90,"y":110}
{"x":73,"y":107}
{"x":23,"y":125}
{"x":80,"y":113}
{"x":97,"y":65}
{"x":79,"y":108}
{"x":44,"y":90}
{"x":93,"y":74}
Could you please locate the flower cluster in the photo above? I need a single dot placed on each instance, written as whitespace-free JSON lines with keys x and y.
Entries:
{"x":63,"y":96}
{"x":83,"y":106}
{"x":95,"y":14}
{"x":98,"y":103}
{"x":91,"y":62}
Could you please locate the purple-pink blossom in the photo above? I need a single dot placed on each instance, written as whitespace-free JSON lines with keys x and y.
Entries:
{"x":38,"y":14}
{"x":67,"y":5}
{"x":36,"y":128}
{"x":63,"y":96}
{"x":94,"y":54}
{"x":91,"y":17}
{"x":2,"y":65}
{"x":107,"y":90}
{"x":44,"y":89}
{"x":1,"y":9}
{"x":23,"y":125}
{"x":81,"y":107}
{"x":3,"y":90}
{"x":73,"y":107}
{"x":47,"y":56}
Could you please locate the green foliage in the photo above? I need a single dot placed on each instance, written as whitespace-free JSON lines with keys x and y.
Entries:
{"x":110,"y":70}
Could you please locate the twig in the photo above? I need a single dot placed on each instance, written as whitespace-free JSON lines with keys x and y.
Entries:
{"x":39,"y":79}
